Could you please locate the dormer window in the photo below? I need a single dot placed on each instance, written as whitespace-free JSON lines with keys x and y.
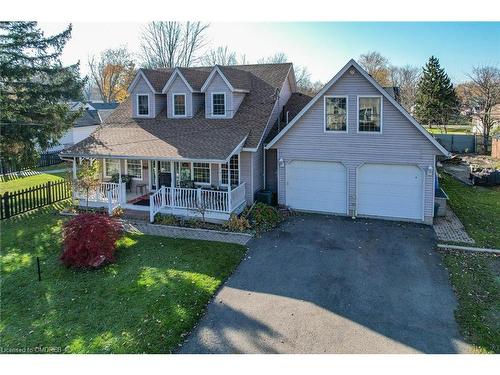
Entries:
{"x":218,"y":104}
{"x":179,"y":105}
{"x":142,"y":105}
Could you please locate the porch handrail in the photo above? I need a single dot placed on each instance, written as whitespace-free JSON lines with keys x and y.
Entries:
{"x":237,"y":196}
{"x":156,"y":203}
{"x":100,"y":194}
{"x":187,"y":198}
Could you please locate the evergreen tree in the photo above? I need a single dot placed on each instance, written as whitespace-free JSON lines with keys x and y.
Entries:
{"x":34,"y":89}
{"x":436,"y":101}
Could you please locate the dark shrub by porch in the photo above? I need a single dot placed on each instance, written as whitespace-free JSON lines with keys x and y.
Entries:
{"x":90,"y":240}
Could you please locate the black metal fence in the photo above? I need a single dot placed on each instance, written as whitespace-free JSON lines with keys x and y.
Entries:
{"x":18,"y":202}
{"x":46,"y":160}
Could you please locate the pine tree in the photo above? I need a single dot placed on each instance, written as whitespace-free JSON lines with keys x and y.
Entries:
{"x":436,"y":101}
{"x":34,"y":89}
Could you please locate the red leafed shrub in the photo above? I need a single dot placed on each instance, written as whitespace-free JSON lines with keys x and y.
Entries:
{"x":90,"y":240}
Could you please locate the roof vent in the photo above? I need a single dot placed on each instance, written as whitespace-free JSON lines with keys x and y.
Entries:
{"x":351,"y":71}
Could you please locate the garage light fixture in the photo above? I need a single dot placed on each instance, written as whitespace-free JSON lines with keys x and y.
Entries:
{"x":282,"y":163}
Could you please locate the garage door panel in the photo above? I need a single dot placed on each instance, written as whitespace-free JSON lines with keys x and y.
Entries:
{"x":316,"y":186}
{"x":390,"y":191}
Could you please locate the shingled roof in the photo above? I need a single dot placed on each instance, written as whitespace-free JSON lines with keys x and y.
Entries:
{"x":196,"y":138}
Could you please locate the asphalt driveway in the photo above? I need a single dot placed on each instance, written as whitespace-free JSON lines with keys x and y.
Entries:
{"x":325,"y":284}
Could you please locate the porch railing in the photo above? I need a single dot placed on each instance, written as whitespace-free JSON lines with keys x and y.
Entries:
{"x":209,"y":200}
{"x":105,"y":192}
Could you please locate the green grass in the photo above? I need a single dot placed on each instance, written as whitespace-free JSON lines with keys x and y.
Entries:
{"x":146,"y":302}
{"x":462,"y":130}
{"x":478,"y":208}
{"x":476,"y":277}
{"x":17,"y":183}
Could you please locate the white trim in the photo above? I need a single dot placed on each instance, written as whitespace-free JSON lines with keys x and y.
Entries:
{"x":104,"y":169}
{"x":137,"y":104}
{"x":388,"y":163}
{"x":209,"y":183}
{"x":228,"y":165}
{"x":140,"y":74}
{"x":354,"y":64}
{"x":172,"y":79}
{"x":212,"y":75}
{"x":126,"y":169}
{"x":174,"y":94}
{"x":346,"y":170}
{"x":324,"y":115}
{"x":212,"y":104}
{"x":381,"y":114}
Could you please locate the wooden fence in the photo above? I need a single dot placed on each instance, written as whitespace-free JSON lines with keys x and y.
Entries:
{"x":18,"y":202}
{"x":45,"y":160}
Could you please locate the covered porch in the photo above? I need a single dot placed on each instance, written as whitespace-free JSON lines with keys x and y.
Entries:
{"x":190,"y":188}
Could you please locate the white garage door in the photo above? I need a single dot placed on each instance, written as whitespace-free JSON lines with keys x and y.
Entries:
{"x":316,"y":186}
{"x":390,"y":191}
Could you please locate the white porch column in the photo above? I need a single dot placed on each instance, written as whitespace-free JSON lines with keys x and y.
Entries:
{"x":172,"y":174}
{"x":229,"y":185}
{"x":74,"y":168}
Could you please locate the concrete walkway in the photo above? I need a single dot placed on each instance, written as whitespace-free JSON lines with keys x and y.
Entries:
{"x":322,"y":284}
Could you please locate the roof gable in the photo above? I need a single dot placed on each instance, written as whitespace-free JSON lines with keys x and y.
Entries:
{"x":140,"y":75}
{"x":319,"y":95}
{"x":217,"y":70}
{"x":175,"y":74}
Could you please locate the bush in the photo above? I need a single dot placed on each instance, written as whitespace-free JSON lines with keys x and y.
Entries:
{"x":237,"y":224}
{"x":265,"y":217}
{"x":166,"y":219}
{"x":118,"y":212}
{"x":90,"y":240}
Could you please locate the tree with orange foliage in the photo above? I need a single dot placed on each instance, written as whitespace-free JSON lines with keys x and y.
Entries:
{"x":112,"y":73}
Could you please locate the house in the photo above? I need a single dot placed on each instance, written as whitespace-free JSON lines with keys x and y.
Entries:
{"x":189,"y":139}
{"x":209,"y":138}
{"x":353,"y":150}
{"x":94,"y":114}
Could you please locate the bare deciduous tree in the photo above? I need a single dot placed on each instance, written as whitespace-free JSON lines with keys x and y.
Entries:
{"x":485,"y":94}
{"x":171,"y":44}
{"x":219,"y":56}
{"x":277,"y":58}
{"x":406,"y":78}
{"x":112,"y":73}
{"x":377,"y":66}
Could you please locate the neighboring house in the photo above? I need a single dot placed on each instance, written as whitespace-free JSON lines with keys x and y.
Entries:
{"x":353,"y":150}
{"x":94,"y":114}
{"x":197,"y":132}
{"x":477,"y":124}
{"x":193,"y":139}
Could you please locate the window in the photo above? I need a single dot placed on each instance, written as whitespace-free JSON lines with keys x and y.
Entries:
{"x":111,"y":167}
{"x":143,"y":105}
{"x":219,"y":104}
{"x":134,"y":169}
{"x":201,"y":172}
{"x":179,"y":104}
{"x":369,"y":113}
{"x":234,"y":166}
{"x":164,"y":166}
{"x":335,"y":113}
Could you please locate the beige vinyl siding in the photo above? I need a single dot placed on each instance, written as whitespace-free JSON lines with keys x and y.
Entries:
{"x":214,"y":174}
{"x":143,"y":88}
{"x":400,"y":143}
{"x":246,"y":174}
{"x":179,"y":87}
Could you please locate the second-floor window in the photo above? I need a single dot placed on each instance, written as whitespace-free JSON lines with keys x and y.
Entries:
{"x":179,"y":104}
{"x":335,"y":113}
{"x":218,"y":104}
{"x":370,"y":114}
{"x":143,"y":105}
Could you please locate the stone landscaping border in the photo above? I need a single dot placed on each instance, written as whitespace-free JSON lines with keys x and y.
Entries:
{"x":186,"y":233}
{"x":468,"y":248}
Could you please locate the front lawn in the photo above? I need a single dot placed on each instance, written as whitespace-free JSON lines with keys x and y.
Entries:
{"x":144,"y":303}
{"x":476,"y":277}
{"x":13,"y":183}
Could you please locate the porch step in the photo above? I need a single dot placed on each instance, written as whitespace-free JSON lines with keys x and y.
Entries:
{"x":136,"y":215}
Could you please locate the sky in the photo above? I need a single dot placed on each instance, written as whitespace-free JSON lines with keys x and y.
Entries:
{"x":323,"y":47}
